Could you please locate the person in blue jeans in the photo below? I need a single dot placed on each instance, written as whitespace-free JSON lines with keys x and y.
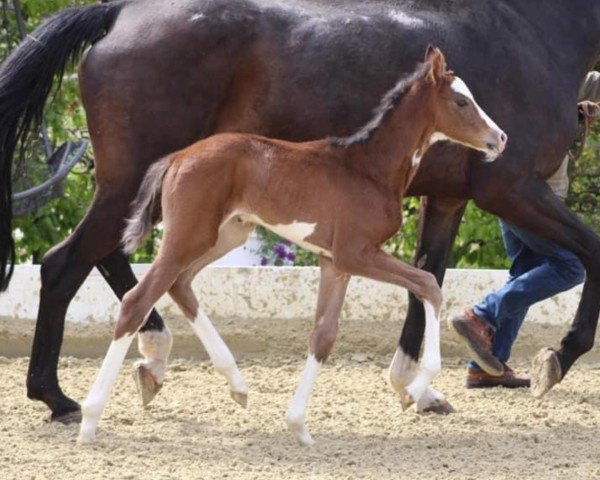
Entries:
{"x":539,"y":270}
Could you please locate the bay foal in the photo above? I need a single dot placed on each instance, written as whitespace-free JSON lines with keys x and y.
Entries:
{"x":337,"y":197}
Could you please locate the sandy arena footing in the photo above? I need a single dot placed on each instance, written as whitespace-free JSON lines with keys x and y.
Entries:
{"x":193,"y":430}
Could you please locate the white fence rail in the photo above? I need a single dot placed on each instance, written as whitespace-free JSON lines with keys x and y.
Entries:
{"x":276,"y":292}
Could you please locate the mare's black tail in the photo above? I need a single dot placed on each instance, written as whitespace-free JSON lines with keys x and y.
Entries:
{"x":26,"y":79}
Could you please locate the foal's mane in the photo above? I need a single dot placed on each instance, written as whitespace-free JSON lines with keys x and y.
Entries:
{"x":388,"y":103}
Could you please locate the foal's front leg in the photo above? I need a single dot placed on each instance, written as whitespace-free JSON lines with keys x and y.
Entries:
{"x":332,"y":290}
{"x":383,"y":267}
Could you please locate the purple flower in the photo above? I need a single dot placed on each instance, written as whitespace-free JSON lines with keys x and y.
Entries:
{"x":263,"y":261}
{"x":280,"y":251}
{"x":291,"y":256}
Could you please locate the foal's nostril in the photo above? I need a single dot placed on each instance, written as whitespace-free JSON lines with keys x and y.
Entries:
{"x":503,"y":137}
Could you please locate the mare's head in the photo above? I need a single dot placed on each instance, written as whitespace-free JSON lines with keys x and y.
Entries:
{"x":458,"y":117}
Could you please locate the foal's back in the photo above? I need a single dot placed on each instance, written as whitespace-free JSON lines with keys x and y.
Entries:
{"x":282,"y":179}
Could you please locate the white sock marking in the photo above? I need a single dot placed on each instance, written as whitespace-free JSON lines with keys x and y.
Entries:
{"x":402,"y":370}
{"x":296,"y":414}
{"x":155,"y":346}
{"x":429,"y":398}
{"x":96,"y":400}
{"x":219,"y":353}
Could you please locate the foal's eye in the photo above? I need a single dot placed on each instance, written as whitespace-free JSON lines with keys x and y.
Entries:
{"x":461,"y":102}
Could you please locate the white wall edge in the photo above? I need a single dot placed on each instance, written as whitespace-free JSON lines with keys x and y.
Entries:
{"x":276,"y":292}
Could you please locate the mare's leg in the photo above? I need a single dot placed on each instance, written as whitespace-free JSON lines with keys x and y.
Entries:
{"x":154,"y":338}
{"x":531,"y":205}
{"x":332,"y":290}
{"x":380,"y":266}
{"x":439,"y":221}
{"x":63,"y":270}
{"x":231,"y":235}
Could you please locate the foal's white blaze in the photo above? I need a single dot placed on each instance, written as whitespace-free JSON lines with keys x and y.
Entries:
{"x":95,"y":402}
{"x":459,"y":86}
{"x":220,"y":356}
{"x":296,"y":414}
{"x":431,"y":362}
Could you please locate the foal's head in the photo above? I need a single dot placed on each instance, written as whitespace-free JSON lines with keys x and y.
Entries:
{"x":458,"y":117}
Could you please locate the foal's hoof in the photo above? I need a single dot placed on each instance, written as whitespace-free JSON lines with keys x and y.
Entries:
{"x":146,"y":383}
{"x":545,"y":372}
{"x":300,"y":432}
{"x":240,"y":398}
{"x":66,"y":418}
{"x":439,"y":407}
{"x":406,"y":400}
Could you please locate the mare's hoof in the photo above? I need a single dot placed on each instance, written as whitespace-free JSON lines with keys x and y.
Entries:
{"x":66,"y":418}
{"x":239,"y":398}
{"x":545,"y":372}
{"x":146,"y":383}
{"x":439,"y":407}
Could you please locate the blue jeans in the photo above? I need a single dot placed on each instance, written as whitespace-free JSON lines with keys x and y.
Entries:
{"x":539,"y":269}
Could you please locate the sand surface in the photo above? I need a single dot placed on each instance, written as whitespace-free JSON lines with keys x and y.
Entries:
{"x":194,"y":431}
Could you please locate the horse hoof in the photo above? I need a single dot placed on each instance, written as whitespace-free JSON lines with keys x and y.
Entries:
{"x":146,"y":383}
{"x":545,"y":372}
{"x":406,"y":401}
{"x":66,"y":418}
{"x":239,"y":398}
{"x":440,"y":408}
{"x":300,"y":432}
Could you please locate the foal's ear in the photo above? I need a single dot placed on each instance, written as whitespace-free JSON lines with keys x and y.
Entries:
{"x":436,"y":59}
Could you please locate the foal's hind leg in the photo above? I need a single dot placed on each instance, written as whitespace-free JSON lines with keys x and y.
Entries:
{"x":134,"y":309}
{"x":332,"y":290}
{"x":154,"y":338}
{"x":231,"y":235}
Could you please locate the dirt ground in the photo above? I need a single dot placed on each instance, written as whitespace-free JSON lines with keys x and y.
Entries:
{"x":194,"y":431}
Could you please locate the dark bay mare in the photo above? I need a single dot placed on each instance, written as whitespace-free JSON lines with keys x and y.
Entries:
{"x":162,"y":75}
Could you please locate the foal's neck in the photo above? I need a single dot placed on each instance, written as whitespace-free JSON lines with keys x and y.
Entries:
{"x":403,"y":137}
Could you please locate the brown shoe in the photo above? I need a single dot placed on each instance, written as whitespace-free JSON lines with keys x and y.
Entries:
{"x":478,"y":336}
{"x":477,"y":378}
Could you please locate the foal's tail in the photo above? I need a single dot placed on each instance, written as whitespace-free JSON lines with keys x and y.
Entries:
{"x":145,"y":209}
{"x":26,"y":79}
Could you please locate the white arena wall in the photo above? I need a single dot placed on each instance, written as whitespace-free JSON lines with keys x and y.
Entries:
{"x":282,"y":293}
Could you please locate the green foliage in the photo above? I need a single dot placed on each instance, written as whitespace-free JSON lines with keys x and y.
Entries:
{"x":65,"y":120}
{"x":584,"y":194}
